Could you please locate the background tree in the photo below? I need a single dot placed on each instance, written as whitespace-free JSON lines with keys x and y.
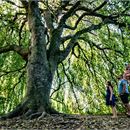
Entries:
{"x":85,"y":42}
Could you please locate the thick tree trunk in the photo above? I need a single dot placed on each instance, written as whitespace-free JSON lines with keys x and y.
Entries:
{"x":39,"y":71}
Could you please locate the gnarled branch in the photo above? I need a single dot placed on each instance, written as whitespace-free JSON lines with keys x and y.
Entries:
{"x":21,"y":51}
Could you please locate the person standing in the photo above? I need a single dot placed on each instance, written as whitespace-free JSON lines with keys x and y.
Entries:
{"x":127,"y":71}
{"x":110,"y":99}
{"x":124,"y":92}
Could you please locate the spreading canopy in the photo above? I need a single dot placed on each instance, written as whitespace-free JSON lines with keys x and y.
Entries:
{"x":85,"y":42}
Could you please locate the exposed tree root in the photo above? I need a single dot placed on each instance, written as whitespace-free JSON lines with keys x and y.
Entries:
{"x":18,"y":111}
{"x":31,"y":114}
{"x":23,"y":111}
{"x":42,"y":115}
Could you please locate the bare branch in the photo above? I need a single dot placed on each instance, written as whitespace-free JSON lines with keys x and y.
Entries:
{"x":25,"y":4}
{"x":77,"y":22}
{"x":66,"y":38}
{"x":12,"y":71}
{"x":68,"y":14}
{"x":88,"y":12}
{"x":16,"y":15}
{"x":71,"y":81}
{"x":73,"y":40}
{"x":22,"y":52}
{"x":104,"y":48}
{"x":100,"y":6}
{"x":19,"y":80}
{"x":20,"y":31}
{"x":107,"y":20}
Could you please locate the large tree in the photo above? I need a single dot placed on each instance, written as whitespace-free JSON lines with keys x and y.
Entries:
{"x":49,"y":45}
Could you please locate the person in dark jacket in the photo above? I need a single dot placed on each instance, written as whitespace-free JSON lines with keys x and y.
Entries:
{"x":110,"y":98}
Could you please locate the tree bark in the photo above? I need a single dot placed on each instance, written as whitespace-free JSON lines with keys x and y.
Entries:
{"x":38,"y":72}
